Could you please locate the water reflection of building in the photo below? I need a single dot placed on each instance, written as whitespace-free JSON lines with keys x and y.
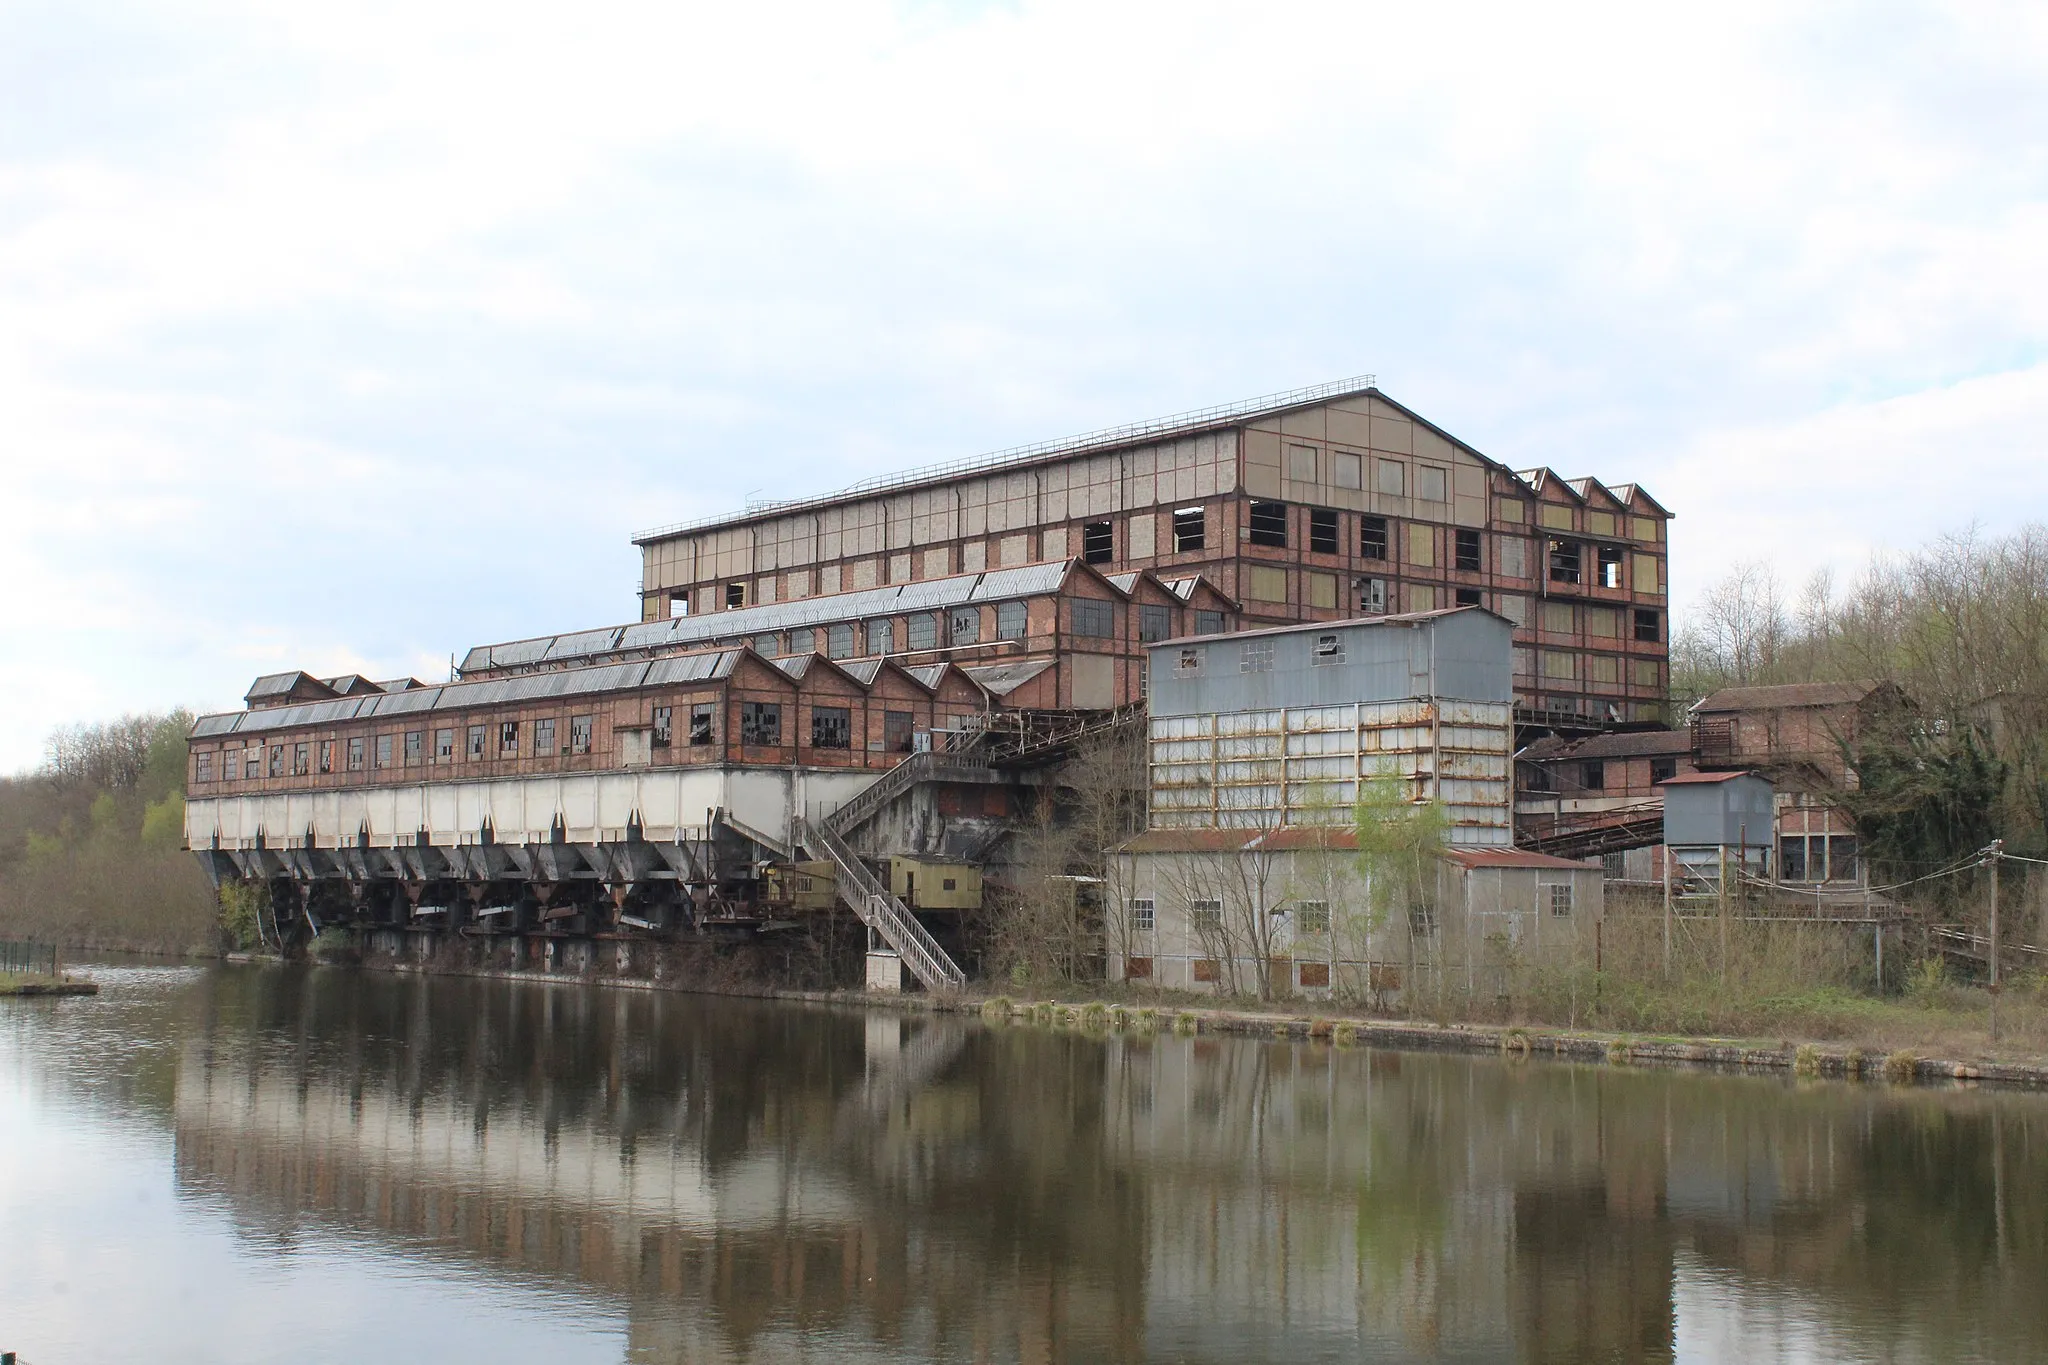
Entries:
{"x":829,"y":1213}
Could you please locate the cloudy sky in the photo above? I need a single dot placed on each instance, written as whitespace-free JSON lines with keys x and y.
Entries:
{"x":343,"y":337}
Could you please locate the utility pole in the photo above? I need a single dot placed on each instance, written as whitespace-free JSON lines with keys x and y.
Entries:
{"x":1997,"y":848}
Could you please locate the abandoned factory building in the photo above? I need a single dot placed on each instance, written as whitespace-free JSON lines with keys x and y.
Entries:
{"x":817,"y":686}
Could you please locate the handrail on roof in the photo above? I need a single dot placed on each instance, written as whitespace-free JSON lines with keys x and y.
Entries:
{"x":1108,"y":436}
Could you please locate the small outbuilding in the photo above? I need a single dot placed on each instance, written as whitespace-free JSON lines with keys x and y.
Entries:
{"x":1709,"y":816}
{"x":935,"y":883}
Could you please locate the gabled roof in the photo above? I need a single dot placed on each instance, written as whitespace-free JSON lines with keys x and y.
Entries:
{"x":1589,"y":488}
{"x":1543,"y":479}
{"x":351,"y":685}
{"x":1785,"y":695}
{"x":1706,"y":779}
{"x":1112,"y":438}
{"x":274,"y":689}
{"x":1633,"y":493}
{"x":1003,"y":679}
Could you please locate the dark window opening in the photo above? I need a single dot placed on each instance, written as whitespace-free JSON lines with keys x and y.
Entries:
{"x":1155,"y":623}
{"x":1792,"y":859}
{"x":1467,"y":597}
{"x":1190,"y":530}
{"x":735,"y":594}
{"x":1372,"y":596}
{"x":896,"y":728}
{"x":326,"y":755}
{"x":1093,"y":618}
{"x":202,"y":768}
{"x":544,"y":737}
{"x":444,"y":746}
{"x":1328,"y":649}
{"x":1648,"y":627}
{"x":664,"y":731}
{"x":508,"y":738}
{"x":1322,"y":530}
{"x":761,"y":722}
{"x":579,"y":734}
{"x":1536,"y":778}
{"x":1564,"y":561}
{"x":476,"y":741}
{"x":1596,"y":775}
{"x":1269,"y":524}
{"x":965,"y":625}
{"x":1208,"y":623}
{"x":355,"y":756}
{"x":701,"y":724}
{"x":831,"y":727}
{"x":1010,"y":621}
{"x":1372,"y":537}
{"x":1663,"y":769}
{"x":301,"y":759}
{"x":1098,"y":542}
{"x":1467,"y":560}
{"x":277,"y":758}
{"x":1610,"y":566}
{"x":415,"y":745}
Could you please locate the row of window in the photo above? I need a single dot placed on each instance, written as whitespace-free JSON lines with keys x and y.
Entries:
{"x":1087,"y":617}
{"x":1568,"y":665}
{"x":1312,"y":916}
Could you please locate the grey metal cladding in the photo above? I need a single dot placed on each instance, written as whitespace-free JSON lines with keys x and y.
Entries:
{"x":223,"y":724}
{"x":401,"y":703}
{"x":1461,"y":655}
{"x":478,"y":658}
{"x":1706,"y":814}
{"x":585,"y":642}
{"x":270,"y":684}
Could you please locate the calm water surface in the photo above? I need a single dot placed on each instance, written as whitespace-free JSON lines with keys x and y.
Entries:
{"x":261,"y":1164}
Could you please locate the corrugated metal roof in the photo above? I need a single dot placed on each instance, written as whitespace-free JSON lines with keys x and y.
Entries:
{"x":222,"y":724}
{"x":1513,"y":858}
{"x":1027,"y":580}
{"x":274,"y":684}
{"x":864,"y":671}
{"x":683,"y":668}
{"x":401,"y":703}
{"x":927,"y":675}
{"x":1701,"y":779}
{"x":1405,"y":618}
{"x":1124,"y":581}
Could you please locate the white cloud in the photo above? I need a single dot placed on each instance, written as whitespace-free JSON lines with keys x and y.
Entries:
{"x":362,"y":334}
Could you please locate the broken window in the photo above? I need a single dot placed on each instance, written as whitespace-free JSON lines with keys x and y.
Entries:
{"x":964,"y":625}
{"x":702,"y":730}
{"x":277,"y":760}
{"x":302,"y":759}
{"x":664,"y":731}
{"x":881,"y":637}
{"x":1468,"y":597}
{"x":1328,"y":649}
{"x":544,"y":737}
{"x":1564,"y":561}
{"x":1647,"y":627}
{"x":1432,"y":484}
{"x":326,"y":755}
{"x":896,"y":729}
{"x":508,"y":738}
{"x":1372,"y":596}
{"x":202,"y":767}
{"x":831,"y":727}
{"x":1467,"y":552}
{"x":476,"y":741}
{"x":444,"y":746}
{"x":1010,"y":621}
{"x":761,"y":723}
{"x":1209,"y":623}
{"x":579,"y":734}
{"x":839,"y":641}
{"x":1269,"y":524}
{"x":1189,"y":529}
{"x":1372,"y":537}
{"x":415,"y":747}
{"x":383,"y":759}
{"x":1610,"y":566}
{"x":1312,"y":917}
{"x":1093,"y":618}
{"x":1155,"y":623}
{"x":252,"y":763}
{"x":1595,"y":775}
{"x":1098,"y":542}
{"x":1322,"y":530}
{"x":1663,"y":769}
{"x":735,"y":595}
{"x":924,"y":631}
{"x":355,"y":754}
{"x":1255,"y":656}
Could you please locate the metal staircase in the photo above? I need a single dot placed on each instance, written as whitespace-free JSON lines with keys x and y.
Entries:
{"x":886,"y":915}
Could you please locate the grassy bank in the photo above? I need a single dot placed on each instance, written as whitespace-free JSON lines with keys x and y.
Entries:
{"x":44,"y":983}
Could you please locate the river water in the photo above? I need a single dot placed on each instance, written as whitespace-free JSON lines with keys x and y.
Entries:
{"x":270,"y":1164}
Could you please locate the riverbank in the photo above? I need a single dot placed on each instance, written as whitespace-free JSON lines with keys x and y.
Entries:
{"x":34,"y":984}
{"x":1131,"y":1015}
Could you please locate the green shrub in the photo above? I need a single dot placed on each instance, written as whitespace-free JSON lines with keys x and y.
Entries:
{"x":1901,"y":1067}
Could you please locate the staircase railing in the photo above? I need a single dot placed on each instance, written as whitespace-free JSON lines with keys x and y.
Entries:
{"x":886,"y":915}
{"x":923,"y":767}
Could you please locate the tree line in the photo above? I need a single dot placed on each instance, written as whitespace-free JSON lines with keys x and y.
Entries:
{"x":91,"y":841}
